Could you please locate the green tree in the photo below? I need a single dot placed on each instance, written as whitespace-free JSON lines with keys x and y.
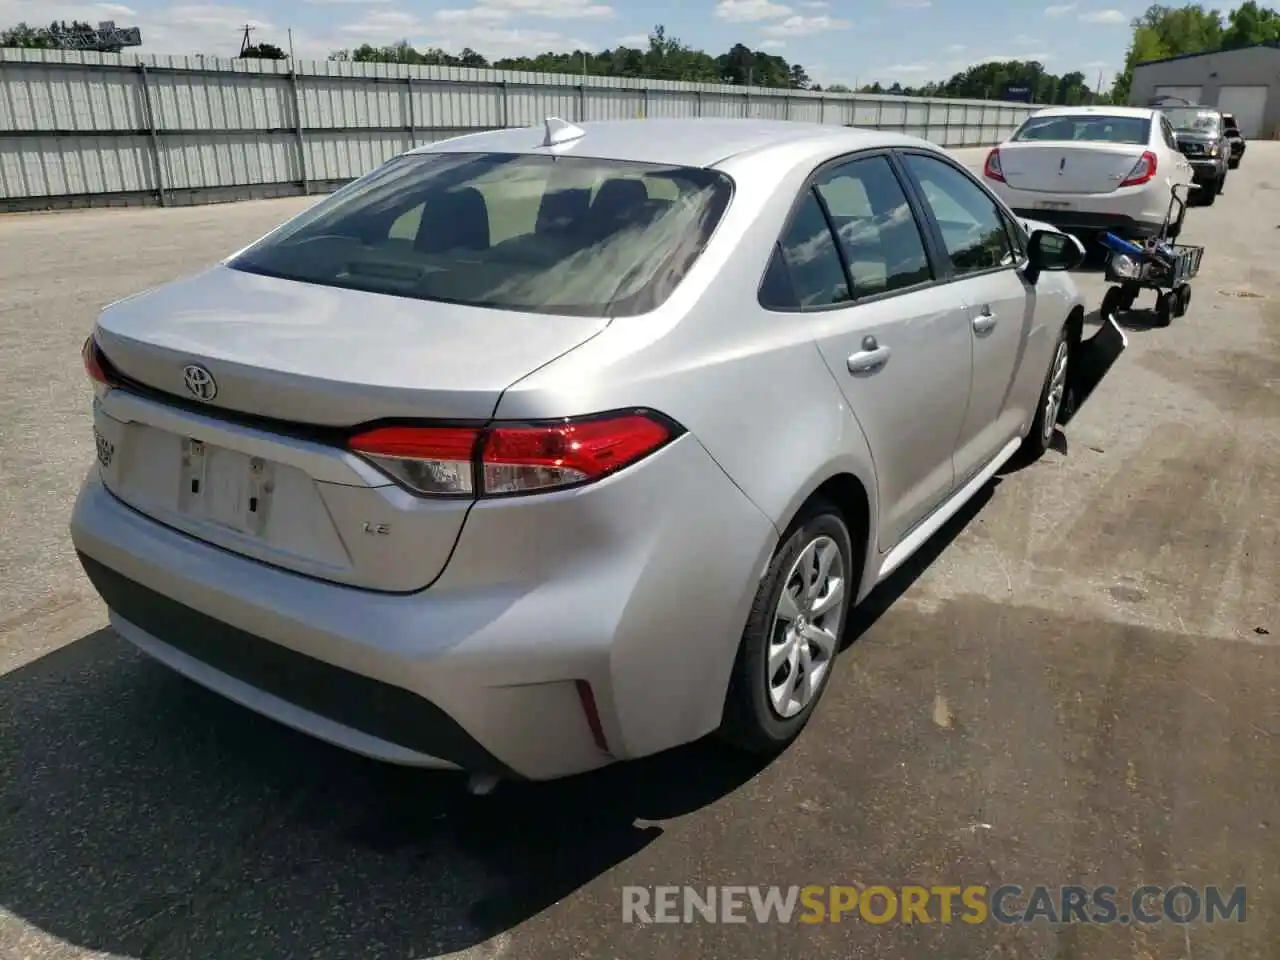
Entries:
{"x":262,"y":51}
{"x":1249,"y":24}
{"x":1168,"y":32}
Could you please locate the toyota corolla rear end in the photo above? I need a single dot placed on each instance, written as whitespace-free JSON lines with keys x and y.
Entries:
{"x":306,"y":497}
{"x":1084,"y":173}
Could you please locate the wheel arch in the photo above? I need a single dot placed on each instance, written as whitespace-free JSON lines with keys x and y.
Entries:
{"x":851,"y":491}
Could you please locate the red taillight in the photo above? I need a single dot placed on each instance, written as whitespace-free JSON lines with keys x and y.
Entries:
{"x":96,"y":365}
{"x":991,"y":169}
{"x":1143,"y":171}
{"x":504,"y":459}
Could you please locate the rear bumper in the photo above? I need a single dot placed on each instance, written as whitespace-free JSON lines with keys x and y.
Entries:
{"x":482,"y":671}
{"x":1086,"y":224}
{"x":1206,"y":171}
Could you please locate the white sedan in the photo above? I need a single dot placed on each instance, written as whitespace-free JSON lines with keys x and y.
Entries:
{"x":1091,"y":169}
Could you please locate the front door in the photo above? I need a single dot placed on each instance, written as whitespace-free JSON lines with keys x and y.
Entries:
{"x":985,"y":260}
{"x":897,"y":344}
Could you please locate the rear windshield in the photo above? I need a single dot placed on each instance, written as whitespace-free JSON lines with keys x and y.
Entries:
{"x":1193,"y":119}
{"x":545,"y":234}
{"x":1092,"y":127}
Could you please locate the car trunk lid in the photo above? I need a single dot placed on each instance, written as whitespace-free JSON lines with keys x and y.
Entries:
{"x":253,"y":458}
{"x":1067,"y":167}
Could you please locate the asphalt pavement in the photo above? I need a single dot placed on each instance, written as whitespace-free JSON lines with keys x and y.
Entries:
{"x":1076,"y":684}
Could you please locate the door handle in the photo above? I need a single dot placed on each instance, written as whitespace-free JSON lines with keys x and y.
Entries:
{"x":868,"y":361}
{"x":984,"y":321}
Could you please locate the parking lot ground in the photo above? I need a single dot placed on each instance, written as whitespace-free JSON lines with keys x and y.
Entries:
{"x":1078,"y":684}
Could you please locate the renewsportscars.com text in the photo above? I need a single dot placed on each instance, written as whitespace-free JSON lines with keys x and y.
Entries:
{"x":974,"y":904}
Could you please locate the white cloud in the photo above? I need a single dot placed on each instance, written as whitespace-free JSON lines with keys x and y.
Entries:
{"x":913,"y":4}
{"x":491,"y":11}
{"x":1104,"y":16}
{"x":750,"y":11}
{"x":640,"y":40}
{"x":955,"y":48}
{"x":772,"y":45}
{"x":1060,"y":10}
{"x":900,"y":69}
{"x":345,"y":3}
{"x":815,"y":4}
{"x":1095,"y":65}
{"x":800,"y":26}
{"x":1023,"y":40}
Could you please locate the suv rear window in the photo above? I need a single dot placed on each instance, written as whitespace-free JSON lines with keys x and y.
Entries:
{"x":1091,"y":127}
{"x":544,"y":234}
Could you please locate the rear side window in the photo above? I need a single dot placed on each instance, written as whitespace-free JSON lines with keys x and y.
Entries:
{"x":543,"y":234}
{"x":1090,"y":128}
{"x":808,"y":258}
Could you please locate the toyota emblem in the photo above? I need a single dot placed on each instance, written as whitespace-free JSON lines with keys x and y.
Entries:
{"x":200,"y":382}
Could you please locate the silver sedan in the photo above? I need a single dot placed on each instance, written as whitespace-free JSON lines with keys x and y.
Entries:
{"x":537,"y":449}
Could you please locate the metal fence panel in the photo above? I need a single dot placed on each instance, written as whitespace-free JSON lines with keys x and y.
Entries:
{"x":89,"y":128}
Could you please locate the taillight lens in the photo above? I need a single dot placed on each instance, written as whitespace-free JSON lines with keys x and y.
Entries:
{"x":96,"y":365}
{"x":1143,"y":171}
{"x":991,"y":169}
{"x":504,"y":459}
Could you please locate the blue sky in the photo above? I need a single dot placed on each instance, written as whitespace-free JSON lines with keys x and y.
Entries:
{"x":845,"y":41}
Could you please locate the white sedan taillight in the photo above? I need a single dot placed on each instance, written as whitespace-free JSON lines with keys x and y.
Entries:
{"x":1143,"y":171}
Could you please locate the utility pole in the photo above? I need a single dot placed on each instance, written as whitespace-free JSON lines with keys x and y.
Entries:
{"x":291,"y":44}
{"x":245,"y":43}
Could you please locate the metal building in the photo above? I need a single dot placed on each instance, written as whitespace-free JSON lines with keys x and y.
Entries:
{"x":1244,"y":82}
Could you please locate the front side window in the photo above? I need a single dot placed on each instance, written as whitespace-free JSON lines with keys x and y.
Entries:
{"x":544,"y":234}
{"x":973,"y":231}
{"x":1086,"y":127}
{"x":878,"y":233}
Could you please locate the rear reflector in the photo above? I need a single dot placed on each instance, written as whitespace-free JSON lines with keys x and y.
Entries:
{"x":1143,"y":171}
{"x":587,"y":697}
{"x":505,"y":459}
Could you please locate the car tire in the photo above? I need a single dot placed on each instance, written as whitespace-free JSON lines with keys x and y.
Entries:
{"x":1165,"y":303}
{"x":1053,"y":398}
{"x":762,"y":714}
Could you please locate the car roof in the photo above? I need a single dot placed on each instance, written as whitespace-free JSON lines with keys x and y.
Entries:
{"x":686,"y":141}
{"x":1086,"y":109}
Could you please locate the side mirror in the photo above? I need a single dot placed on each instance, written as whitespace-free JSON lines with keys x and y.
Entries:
{"x":1051,"y":250}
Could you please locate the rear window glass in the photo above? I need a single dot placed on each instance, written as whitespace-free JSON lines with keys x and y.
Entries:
{"x":544,"y":234}
{"x":1092,"y":128}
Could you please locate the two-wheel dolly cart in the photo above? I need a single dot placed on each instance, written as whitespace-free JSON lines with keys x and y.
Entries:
{"x":1159,"y":264}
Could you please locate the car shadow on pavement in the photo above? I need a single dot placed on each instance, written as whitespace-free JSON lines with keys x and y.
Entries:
{"x":139,"y":812}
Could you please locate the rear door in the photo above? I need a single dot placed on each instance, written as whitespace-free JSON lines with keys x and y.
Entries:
{"x":896,"y":343}
{"x":984,"y":260}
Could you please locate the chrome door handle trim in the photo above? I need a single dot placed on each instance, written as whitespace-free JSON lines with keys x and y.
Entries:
{"x":868,"y":361}
{"x":984,"y":322}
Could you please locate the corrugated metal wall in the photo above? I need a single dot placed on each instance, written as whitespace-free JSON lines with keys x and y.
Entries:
{"x":102,"y":129}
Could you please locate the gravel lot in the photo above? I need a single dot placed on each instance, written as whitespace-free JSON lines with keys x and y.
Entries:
{"x":1078,"y":684}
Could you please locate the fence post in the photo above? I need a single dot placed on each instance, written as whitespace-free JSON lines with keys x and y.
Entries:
{"x":644,"y":103}
{"x":697,"y":102}
{"x":505,"y":116}
{"x":746,"y":104}
{"x":582,"y":102}
{"x":786,"y":108}
{"x":413,"y":127}
{"x":149,"y":109}
{"x":297,"y":130}
{"x":822,"y":109}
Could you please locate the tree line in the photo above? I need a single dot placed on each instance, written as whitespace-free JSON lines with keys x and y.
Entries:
{"x":1161,"y":31}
